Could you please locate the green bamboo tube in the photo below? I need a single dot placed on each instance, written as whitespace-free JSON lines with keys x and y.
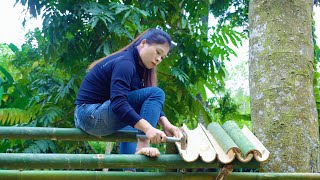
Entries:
{"x":72,"y":134}
{"x":101,"y":175}
{"x":221,"y":136}
{"x":99,"y":161}
{"x":238,"y":137}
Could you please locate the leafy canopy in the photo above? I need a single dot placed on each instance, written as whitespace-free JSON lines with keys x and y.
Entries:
{"x":75,"y":33}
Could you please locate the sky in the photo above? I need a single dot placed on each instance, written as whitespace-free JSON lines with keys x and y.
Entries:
{"x":11,"y":30}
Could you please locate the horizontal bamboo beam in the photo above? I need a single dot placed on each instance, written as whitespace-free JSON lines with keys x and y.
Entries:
{"x":72,"y":134}
{"x":100,"y":161}
{"x":97,"y":175}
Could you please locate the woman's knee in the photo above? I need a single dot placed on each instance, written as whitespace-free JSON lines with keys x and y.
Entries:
{"x":158,"y":93}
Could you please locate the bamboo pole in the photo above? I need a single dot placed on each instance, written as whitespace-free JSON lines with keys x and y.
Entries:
{"x":79,"y":175}
{"x":72,"y":134}
{"x":100,"y":161}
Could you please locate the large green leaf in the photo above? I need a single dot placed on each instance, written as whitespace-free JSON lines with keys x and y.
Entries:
{"x":8,"y":76}
{"x":13,"y":116}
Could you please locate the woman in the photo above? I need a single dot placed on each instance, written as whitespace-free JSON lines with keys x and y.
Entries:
{"x":120,"y":92}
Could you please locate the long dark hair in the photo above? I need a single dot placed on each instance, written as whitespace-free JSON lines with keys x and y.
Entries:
{"x":151,"y":36}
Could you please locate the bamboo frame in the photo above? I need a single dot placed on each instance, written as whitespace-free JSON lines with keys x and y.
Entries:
{"x":97,"y":175}
{"x":100,"y":161}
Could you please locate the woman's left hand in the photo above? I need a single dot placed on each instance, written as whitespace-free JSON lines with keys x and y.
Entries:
{"x":172,"y":130}
{"x":168,"y":128}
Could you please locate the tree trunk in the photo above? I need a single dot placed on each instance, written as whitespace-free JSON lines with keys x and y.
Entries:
{"x":283,"y":107}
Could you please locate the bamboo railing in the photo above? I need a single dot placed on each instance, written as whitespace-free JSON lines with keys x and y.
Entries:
{"x":89,"y":166}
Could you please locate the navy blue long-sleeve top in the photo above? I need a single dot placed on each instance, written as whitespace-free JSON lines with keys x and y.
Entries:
{"x":112,"y":79}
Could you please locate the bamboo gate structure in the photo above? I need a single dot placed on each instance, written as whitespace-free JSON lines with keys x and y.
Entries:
{"x":86,"y":166}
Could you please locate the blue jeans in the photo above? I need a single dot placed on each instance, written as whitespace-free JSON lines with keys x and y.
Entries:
{"x":100,"y":120}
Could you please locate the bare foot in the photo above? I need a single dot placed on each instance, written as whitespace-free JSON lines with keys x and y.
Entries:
{"x":149,"y":151}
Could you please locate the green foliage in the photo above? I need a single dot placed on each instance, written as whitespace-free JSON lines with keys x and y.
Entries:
{"x":233,"y":12}
{"x":6,"y":74}
{"x":225,"y":109}
{"x":6,"y":87}
{"x":49,"y":67}
{"x":316,"y":73}
{"x":11,"y":112}
{"x":100,"y":147}
{"x":10,"y":116}
{"x":40,"y":146}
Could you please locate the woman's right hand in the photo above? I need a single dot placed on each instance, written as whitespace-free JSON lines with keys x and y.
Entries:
{"x":156,"y":136}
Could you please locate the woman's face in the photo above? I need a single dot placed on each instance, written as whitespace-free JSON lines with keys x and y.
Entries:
{"x":152,"y":54}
